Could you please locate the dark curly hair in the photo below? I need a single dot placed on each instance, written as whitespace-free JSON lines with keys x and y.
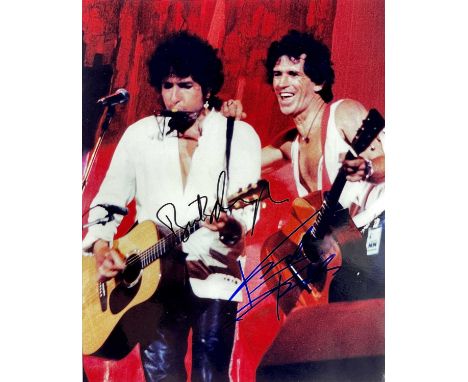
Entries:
{"x":183,"y":54}
{"x":317,"y":66}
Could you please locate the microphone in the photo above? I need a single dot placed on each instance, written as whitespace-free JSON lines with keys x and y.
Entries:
{"x":111,"y":209}
{"x":180,"y":121}
{"x":121,"y":96}
{"x":176,"y":113}
{"x":166,"y":113}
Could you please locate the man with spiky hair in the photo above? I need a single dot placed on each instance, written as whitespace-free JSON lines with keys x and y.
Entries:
{"x":300,"y":70}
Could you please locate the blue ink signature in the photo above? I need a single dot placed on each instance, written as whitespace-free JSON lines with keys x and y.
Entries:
{"x":265,"y":269}
{"x":201,"y":202}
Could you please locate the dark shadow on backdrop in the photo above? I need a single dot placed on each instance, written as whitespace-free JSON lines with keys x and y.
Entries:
{"x":96,"y":82}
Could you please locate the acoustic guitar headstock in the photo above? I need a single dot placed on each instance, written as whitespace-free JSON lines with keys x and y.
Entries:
{"x":372,"y":125}
{"x":250,"y":194}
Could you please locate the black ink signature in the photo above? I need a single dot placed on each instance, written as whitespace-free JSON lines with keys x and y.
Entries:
{"x":265,"y":269}
{"x":167,"y":214}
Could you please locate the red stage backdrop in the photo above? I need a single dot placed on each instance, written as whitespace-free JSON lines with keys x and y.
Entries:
{"x":119,"y":36}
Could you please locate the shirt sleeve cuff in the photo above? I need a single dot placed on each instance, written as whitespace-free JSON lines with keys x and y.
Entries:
{"x":89,"y":240}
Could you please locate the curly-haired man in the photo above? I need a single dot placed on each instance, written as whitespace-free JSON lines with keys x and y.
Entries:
{"x":171,"y":164}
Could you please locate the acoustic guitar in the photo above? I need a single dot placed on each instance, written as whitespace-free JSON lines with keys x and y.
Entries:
{"x":306,"y":253}
{"x":104,"y":303}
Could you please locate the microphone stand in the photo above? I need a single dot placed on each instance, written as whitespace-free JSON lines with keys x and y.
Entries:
{"x":110,"y":111}
{"x":108,"y":218}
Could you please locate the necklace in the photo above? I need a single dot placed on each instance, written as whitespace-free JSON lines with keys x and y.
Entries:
{"x":306,"y":138}
{"x":160,"y":127}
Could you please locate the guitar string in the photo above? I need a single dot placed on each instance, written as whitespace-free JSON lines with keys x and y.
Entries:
{"x":159,"y":248}
{"x":144,"y":255}
{"x":154,"y":249}
{"x":147,"y":253}
{"x":177,"y":236}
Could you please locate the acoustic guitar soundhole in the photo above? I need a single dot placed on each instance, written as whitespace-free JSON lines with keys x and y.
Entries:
{"x":128,"y":285}
{"x":132,"y":272}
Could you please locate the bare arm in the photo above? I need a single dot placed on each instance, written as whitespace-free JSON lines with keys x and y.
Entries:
{"x":270,"y":156}
{"x":371,"y":162}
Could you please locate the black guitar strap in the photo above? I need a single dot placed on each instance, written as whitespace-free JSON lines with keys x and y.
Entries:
{"x":229,"y":132}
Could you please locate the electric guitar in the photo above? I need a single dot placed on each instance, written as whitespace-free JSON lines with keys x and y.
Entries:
{"x":104,"y":303}
{"x":306,"y":253}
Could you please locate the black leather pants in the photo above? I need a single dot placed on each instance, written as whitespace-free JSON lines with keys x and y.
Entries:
{"x":212,"y":323}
